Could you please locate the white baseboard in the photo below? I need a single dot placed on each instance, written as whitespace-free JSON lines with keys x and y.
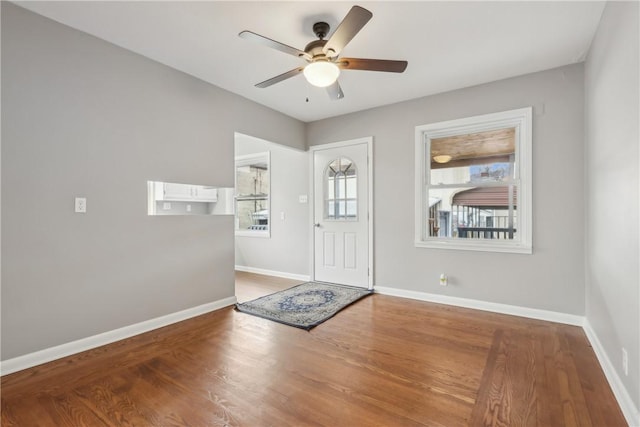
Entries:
{"x":301,"y":277}
{"x":532,"y":313}
{"x":629,"y":409}
{"x":49,"y":354}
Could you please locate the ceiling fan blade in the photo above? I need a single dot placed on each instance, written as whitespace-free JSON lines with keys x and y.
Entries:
{"x":335,"y":91}
{"x":249,"y":35}
{"x":281,"y":77}
{"x":372,"y":64}
{"x":346,"y":31}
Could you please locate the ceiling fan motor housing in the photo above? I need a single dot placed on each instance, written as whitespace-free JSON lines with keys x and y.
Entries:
{"x":315,"y":49}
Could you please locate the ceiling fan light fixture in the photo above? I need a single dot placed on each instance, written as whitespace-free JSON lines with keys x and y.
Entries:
{"x":321,"y":73}
{"x":442,"y":158}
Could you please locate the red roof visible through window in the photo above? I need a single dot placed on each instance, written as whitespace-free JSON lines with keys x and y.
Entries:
{"x":485,"y":197}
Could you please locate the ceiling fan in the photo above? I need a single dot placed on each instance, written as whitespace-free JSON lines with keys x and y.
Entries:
{"x":324,"y":63}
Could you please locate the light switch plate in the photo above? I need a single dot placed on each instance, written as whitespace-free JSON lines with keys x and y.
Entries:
{"x":302,"y":198}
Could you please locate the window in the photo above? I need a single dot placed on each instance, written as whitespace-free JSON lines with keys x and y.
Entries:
{"x":473,"y":183}
{"x":341,"y":199}
{"x":252,"y":195}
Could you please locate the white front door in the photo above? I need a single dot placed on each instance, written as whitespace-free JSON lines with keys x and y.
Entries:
{"x":342,"y":250}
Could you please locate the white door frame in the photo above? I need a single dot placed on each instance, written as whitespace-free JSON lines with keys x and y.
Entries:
{"x":369,"y":142}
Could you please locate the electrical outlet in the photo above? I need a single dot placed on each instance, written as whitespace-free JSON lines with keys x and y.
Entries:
{"x":625,"y":361}
{"x":444,"y":280}
{"x":166,"y":206}
{"x":81,"y":205}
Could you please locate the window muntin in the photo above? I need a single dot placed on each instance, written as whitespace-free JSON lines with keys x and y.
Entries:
{"x":473,"y":180}
{"x":253,"y":195}
{"x":341,"y":190}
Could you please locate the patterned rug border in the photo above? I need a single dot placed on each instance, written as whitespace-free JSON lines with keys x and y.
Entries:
{"x":240,"y":306}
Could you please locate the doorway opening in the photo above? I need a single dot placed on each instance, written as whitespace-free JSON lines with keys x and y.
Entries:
{"x":272,"y":228}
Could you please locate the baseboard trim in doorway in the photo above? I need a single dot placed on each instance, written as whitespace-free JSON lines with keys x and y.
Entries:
{"x":30,"y":360}
{"x":301,"y":277}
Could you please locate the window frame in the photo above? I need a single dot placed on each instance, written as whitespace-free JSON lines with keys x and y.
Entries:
{"x":247,"y":160}
{"x":521,"y":119}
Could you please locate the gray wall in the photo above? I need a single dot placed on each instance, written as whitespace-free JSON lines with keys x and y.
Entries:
{"x":612,"y":163}
{"x":82,"y":117}
{"x":553,"y":277}
{"x":287,"y":250}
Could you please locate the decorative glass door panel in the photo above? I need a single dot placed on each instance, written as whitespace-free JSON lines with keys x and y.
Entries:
{"x":341,"y":190}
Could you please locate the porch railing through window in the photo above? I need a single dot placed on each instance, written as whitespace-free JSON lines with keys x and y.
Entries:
{"x":484,"y":223}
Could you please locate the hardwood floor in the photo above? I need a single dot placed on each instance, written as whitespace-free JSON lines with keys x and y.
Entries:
{"x":251,"y":286}
{"x":383,"y":361}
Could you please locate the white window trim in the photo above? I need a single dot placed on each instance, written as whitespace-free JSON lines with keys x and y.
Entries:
{"x":521,"y":119}
{"x":245,"y":160}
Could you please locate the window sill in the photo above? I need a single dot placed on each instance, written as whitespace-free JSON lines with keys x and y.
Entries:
{"x":253,"y":233}
{"x":515,"y":248}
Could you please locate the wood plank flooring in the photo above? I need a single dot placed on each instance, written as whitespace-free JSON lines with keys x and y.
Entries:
{"x":383,"y":361}
{"x":251,"y":286}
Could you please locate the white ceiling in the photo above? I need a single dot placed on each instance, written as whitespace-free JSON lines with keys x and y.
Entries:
{"x":449,"y":45}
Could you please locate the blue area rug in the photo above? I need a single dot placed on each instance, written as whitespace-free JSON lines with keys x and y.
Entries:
{"x":306,"y":305}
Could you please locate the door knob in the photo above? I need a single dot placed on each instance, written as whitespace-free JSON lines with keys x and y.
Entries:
{"x":317,"y":225}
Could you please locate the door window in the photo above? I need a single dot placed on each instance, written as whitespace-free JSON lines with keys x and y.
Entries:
{"x":340,"y":189}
